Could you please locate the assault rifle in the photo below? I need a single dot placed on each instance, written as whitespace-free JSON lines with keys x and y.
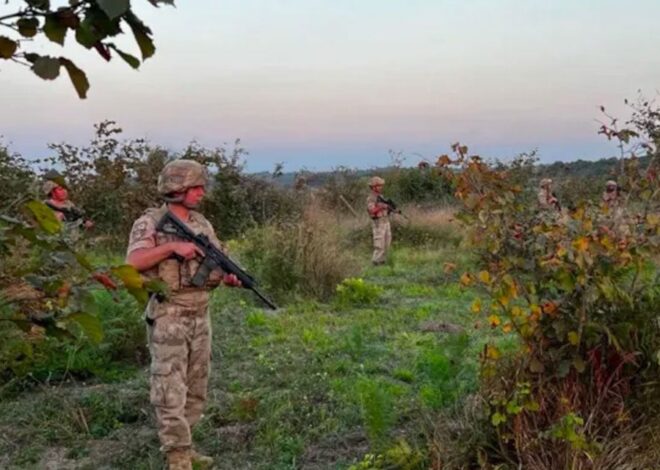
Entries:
{"x":70,"y":214}
{"x":391,"y":205}
{"x":213,"y":257}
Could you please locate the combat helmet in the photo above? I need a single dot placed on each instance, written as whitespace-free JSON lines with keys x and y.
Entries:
{"x":48,"y":187}
{"x":52,"y":180}
{"x":376,"y":180}
{"x":179,"y":175}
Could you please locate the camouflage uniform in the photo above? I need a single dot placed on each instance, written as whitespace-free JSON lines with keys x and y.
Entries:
{"x":72,"y":218}
{"x":546,"y":200}
{"x":611,"y":198}
{"x":380,"y":227}
{"x":179,"y":332}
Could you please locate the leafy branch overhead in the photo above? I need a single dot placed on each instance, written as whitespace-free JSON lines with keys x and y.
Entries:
{"x":94,"y":23}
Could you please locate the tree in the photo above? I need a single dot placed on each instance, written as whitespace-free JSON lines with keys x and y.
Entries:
{"x":94,"y":23}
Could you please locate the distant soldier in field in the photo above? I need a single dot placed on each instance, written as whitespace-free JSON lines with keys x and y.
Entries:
{"x":178,"y":328}
{"x":612,"y":195}
{"x":546,"y":198}
{"x":57,"y":198}
{"x":379,"y":212}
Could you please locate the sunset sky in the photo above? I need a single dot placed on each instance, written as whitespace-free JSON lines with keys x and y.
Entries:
{"x":322,"y":83}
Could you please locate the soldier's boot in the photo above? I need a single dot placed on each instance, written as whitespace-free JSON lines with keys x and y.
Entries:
{"x":201,"y":461}
{"x":179,"y":459}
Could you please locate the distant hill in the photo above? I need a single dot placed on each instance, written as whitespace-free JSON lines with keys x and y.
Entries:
{"x":603,"y":169}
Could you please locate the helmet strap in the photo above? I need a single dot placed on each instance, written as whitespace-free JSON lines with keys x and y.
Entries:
{"x":175,"y":197}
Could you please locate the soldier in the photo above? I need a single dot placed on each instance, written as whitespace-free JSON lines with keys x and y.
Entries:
{"x":58,"y":199}
{"x":178,"y":328}
{"x":547,"y":199}
{"x":379,"y":213}
{"x":611,"y":196}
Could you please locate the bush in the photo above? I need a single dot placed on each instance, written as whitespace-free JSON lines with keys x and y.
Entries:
{"x":17,"y":180}
{"x":304,"y":257}
{"x":55,"y":358}
{"x":112,"y":181}
{"x":580,"y":294}
{"x":345,"y":183}
{"x":418,"y":185}
{"x":357,"y":292}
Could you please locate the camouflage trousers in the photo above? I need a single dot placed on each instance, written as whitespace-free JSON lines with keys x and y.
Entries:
{"x":180,"y":347}
{"x":382,"y":236}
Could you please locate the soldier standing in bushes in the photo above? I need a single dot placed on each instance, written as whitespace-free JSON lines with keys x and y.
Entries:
{"x":547,"y":199}
{"x":380,"y":221}
{"x":612,"y":195}
{"x":58,"y":200}
{"x":179,"y":329}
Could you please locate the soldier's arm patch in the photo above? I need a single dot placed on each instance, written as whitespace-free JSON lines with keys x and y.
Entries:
{"x":142,"y":235}
{"x":139,"y":231}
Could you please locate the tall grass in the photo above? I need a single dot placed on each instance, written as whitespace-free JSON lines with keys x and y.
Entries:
{"x":418,"y":226}
{"x":305,"y":257}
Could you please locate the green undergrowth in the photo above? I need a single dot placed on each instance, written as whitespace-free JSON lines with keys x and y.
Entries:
{"x":358,"y":379}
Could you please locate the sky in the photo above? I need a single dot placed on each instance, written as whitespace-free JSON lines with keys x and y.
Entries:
{"x":318,"y":84}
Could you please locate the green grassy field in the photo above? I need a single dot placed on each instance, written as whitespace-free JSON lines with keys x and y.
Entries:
{"x":315,"y":386}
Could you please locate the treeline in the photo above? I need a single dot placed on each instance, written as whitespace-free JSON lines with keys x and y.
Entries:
{"x":113,"y":180}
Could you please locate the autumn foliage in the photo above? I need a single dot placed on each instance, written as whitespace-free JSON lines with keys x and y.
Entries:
{"x":578,"y":288}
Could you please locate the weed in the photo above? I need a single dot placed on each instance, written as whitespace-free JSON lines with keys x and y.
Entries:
{"x":378,"y":412}
{"x":357,"y":292}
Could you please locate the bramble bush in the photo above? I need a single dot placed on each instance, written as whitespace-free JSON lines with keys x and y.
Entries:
{"x":580,"y":291}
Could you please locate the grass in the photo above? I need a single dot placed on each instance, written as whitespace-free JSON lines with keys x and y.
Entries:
{"x":315,"y":385}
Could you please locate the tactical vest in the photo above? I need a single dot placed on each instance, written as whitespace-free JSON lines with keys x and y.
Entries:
{"x":178,"y":274}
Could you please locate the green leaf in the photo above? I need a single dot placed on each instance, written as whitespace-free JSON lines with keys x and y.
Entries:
{"x":84,"y":262}
{"x":128,"y":58}
{"x":7,"y":47}
{"x":45,"y":216}
{"x":89,"y":304}
{"x":89,"y":324}
{"x":77,"y":76}
{"x":47,"y":68}
{"x":27,"y":27}
{"x":54,"y":29}
{"x":129,"y":276}
{"x":141,"y":295}
{"x":141,"y":33}
{"x":114,"y":8}
{"x":497,"y":419}
{"x":85,"y":36}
